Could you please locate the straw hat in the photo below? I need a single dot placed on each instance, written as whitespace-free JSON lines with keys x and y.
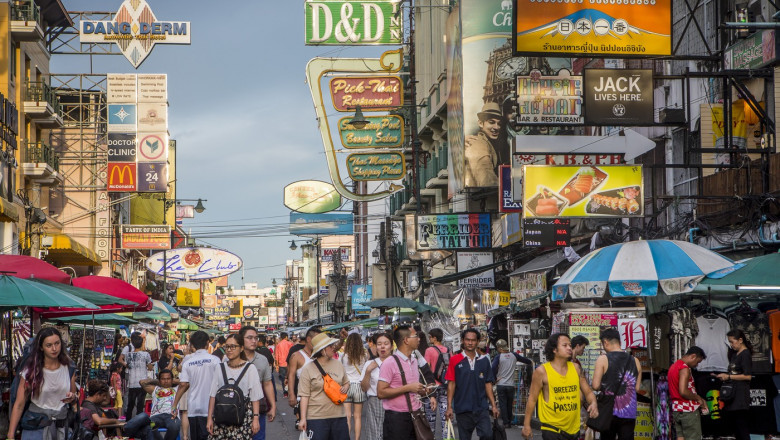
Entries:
{"x":491,"y":110}
{"x":321,"y":341}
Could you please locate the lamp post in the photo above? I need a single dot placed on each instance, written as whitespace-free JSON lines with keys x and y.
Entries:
{"x":167,"y":203}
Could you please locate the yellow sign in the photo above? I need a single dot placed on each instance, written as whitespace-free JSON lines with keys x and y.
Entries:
{"x":495,"y":298}
{"x":187,"y":297}
{"x":583,"y":191}
{"x":644,"y":422}
{"x":590,"y":28}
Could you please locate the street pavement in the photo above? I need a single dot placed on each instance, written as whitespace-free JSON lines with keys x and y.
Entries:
{"x":283,"y":427}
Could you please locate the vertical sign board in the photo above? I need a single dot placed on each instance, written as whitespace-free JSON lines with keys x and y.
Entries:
{"x":353,"y":23}
{"x":359,"y":295}
{"x":102,"y":224}
{"x":506,"y":200}
{"x":623,"y":29}
{"x":472,"y":260}
{"x":618,"y":97}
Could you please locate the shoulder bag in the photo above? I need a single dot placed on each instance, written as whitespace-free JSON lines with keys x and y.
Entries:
{"x":331,"y":388}
{"x":606,"y":403}
{"x":422,"y":430}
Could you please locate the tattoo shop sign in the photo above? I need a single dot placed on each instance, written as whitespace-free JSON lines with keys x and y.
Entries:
{"x":549,"y":100}
{"x":618,"y":97}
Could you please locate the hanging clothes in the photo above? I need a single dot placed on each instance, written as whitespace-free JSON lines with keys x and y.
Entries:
{"x":712,"y":339}
{"x":663,"y":416}
{"x":756,"y":327}
{"x":659,"y":325}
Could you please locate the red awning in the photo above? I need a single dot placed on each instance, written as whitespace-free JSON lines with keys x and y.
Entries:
{"x":109,"y":286}
{"x":23,"y":266}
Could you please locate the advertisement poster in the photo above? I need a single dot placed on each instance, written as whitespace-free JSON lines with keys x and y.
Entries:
{"x":473,"y":260}
{"x":618,"y":97}
{"x":591,"y":191}
{"x":454,"y":231}
{"x":359,"y":295}
{"x":332,"y":223}
{"x":623,"y":29}
{"x":592,"y":350}
{"x":454,"y":103}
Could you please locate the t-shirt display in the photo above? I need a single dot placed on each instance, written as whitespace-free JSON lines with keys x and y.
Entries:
{"x":762,"y":406}
{"x":712,"y":339}
{"x":659,"y":325}
{"x":756,"y":327}
{"x":708,"y":387}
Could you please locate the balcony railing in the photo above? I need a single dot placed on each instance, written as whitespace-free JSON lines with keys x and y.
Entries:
{"x":38,"y":152}
{"x":26,"y":10}
{"x":436,"y":163}
{"x":39,"y":91}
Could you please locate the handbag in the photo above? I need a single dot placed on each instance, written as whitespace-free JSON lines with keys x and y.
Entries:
{"x":499,"y":433}
{"x":422,"y":430}
{"x":728,"y":391}
{"x":32,"y":421}
{"x":263,"y":406}
{"x":331,"y":388}
{"x":606,"y":404}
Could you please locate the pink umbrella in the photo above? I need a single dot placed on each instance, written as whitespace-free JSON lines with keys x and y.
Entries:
{"x":109,"y":286}
{"x":23,"y":266}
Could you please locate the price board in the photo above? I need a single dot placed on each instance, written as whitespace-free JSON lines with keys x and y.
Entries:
{"x":551,"y":232}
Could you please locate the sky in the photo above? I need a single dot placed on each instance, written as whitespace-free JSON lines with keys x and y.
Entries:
{"x":242,"y":116}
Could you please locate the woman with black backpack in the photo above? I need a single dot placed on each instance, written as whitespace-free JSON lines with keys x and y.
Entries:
{"x":234,"y":406}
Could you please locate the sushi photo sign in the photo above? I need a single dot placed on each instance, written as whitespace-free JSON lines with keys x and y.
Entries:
{"x":583,"y":191}
{"x":627,"y":28}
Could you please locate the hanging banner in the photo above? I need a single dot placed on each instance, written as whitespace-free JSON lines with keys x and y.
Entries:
{"x":623,"y":29}
{"x":472,"y":260}
{"x":371,"y":93}
{"x":454,"y":231}
{"x":572,"y":191}
{"x":549,"y":99}
{"x":353,"y":22}
{"x":381,"y":131}
{"x":618,"y":97}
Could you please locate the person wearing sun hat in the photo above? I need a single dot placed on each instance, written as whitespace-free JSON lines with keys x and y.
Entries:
{"x":321,"y":418}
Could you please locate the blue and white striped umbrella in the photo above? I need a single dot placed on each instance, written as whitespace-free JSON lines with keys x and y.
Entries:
{"x":637,"y":268}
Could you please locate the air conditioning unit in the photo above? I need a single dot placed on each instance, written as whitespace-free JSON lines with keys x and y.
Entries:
{"x":671,"y":116}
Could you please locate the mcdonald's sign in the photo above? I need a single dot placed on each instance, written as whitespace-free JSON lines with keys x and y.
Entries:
{"x":122,"y":177}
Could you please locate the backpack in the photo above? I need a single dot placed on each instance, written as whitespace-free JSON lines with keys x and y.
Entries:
{"x":230,"y":403}
{"x":442,"y":363}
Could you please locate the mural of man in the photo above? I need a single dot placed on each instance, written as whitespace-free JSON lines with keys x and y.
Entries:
{"x":483,"y":150}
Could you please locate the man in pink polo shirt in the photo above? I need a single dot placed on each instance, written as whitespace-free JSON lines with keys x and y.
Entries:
{"x":398,"y":420}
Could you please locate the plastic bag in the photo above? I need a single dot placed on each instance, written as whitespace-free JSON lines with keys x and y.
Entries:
{"x":450,"y":432}
{"x":303,"y":436}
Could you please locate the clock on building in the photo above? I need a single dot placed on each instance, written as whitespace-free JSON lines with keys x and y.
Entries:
{"x":511,"y":67}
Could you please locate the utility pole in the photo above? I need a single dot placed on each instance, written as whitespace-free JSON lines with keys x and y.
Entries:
{"x":389,"y":264}
{"x":416,"y":144}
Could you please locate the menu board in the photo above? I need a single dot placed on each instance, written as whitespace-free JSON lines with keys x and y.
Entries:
{"x":592,"y":350}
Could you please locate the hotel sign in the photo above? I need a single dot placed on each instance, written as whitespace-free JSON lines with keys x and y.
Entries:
{"x":381,"y":131}
{"x":353,"y":23}
{"x":371,"y":93}
{"x":376,"y":166}
{"x":136,"y":30}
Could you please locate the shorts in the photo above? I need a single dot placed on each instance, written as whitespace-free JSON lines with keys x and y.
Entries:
{"x":687,"y":424}
{"x":183,"y":401}
{"x":356,"y":393}
{"x":119,"y":403}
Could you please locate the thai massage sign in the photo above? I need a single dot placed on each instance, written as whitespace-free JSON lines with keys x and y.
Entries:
{"x":550,"y":100}
{"x":371,"y":93}
{"x":622,"y":28}
{"x":454,"y":231}
{"x":353,"y":23}
{"x":381,"y":131}
{"x":376,"y":166}
{"x":136,"y":30}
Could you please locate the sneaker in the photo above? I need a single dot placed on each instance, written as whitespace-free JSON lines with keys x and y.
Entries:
{"x":286,"y":394}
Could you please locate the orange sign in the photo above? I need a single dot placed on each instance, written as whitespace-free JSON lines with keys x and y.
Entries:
{"x":121,"y":176}
{"x":371,"y":93}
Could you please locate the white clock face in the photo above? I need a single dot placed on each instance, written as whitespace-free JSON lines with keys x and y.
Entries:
{"x":511,"y":67}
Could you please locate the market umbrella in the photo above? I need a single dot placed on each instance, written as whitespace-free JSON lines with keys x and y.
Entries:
{"x":186,"y":324}
{"x":23,"y":266}
{"x":636,"y":268}
{"x":110,"y":286}
{"x":18,"y":292}
{"x":758,"y":275}
{"x":166,"y":308}
{"x":368,"y":322}
{"x":399,"y":303}
{"x":104,"y":319}
{"x":97,"y":298}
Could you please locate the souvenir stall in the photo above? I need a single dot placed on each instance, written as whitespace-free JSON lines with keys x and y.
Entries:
{"x":92,"y":348}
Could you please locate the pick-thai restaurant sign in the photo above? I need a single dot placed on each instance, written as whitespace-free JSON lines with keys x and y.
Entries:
{"x":353,"y":22}
{"x":381,"y":131}
{"x":549,"y":100}
{"x":472,"y":260}
{"x":624,"y":28}
{"x":618,"y":97}
{"x":376,"y":166}
{"x":194,"y":263}
{"x":371,"y":93}
{"x":583,"y":191}
{"x":146,"y":236}
{"x":454,"y":231}
{"x":311,"y":197}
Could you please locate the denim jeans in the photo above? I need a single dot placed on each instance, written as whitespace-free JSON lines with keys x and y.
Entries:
{"x":261,"y":433}
{"x":480,"y":420}
{"x":506,"y":399}
{"x":138,"y":427}
{"x":328,"y":429}
{"x":172,"y":427}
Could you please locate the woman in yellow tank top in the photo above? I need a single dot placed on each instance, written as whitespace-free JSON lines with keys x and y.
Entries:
{"x":558,"y":387}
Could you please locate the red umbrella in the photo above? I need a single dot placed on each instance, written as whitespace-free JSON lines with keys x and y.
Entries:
{"x":109,"y":286}
{"x":23,"y":266}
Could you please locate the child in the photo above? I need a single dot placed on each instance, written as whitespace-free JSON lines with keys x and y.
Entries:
{"x":116,"y":386}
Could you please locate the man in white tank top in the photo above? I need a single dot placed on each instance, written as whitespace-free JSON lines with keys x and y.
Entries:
{"x":297,"y":361}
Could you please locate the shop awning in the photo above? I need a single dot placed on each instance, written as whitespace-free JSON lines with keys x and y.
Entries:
{"x":368,"y":322}
{"x":8,"y":211}
{"x":186,"y":324}
{"x":104,"y":319}
{"x":471,"y":272}
{"x":67,"y":251}
{"x":545,"y":261}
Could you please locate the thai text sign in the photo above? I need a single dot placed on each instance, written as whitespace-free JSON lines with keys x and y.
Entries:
{"x":618,"y":97}
{"x":376,"y":166}
{"x":146,"y":237}
{"x":454,"y":231}
{"x":353,"y":23}
{"x":549,"y":100}
{"x":371,"y":93}
{"x":381,"y":131}
{"x":582,"y":191}
{"x":311,"y":197}
{"x":630,"y":28}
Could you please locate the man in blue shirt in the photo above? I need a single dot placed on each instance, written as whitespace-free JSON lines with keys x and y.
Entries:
{"x":469,"y":387}
{"x":504,"y":371}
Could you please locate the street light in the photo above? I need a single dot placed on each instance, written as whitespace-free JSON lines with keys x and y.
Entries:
{"x":293,"y":246}
{"x":358,"y":121}
{"x":167,"y":203}
{"x":199,"y":208}
{"x":273,"y":282}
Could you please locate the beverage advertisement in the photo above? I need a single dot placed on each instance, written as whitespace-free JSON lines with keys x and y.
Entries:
{"x":588,"y":191}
